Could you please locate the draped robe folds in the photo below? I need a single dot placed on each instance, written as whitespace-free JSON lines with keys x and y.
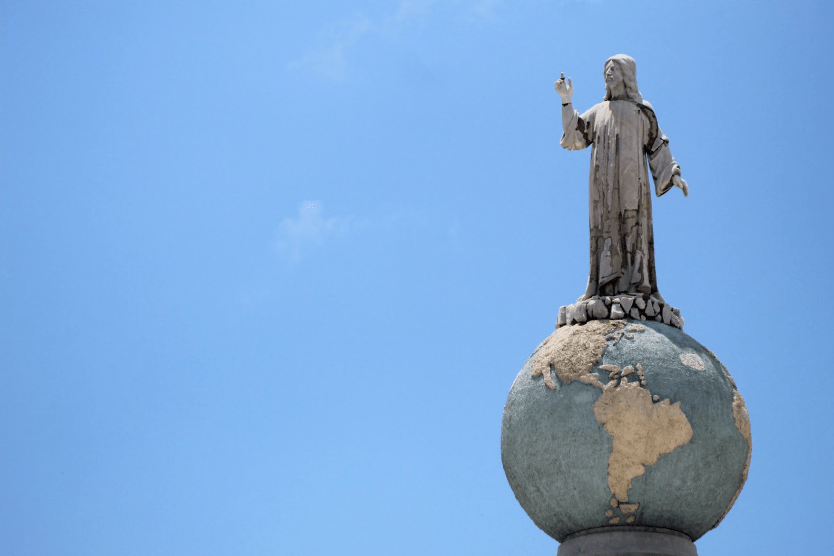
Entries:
{"x":624,"y":134}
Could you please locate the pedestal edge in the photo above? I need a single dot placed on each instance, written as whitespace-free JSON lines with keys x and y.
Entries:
{"x":627,"y":541}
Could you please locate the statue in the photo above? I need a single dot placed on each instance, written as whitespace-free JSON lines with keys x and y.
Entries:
{"x":624,"y":133}
{"x":622,"y":434}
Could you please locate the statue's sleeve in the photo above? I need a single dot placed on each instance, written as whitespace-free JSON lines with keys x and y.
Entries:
{"x":577,"y":130}
{"x":661,"y":161}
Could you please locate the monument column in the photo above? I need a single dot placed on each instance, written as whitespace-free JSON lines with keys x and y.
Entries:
{"x":622,"y":434}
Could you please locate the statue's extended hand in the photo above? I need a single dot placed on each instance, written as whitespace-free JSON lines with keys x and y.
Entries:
{"x":565,"y":90}
{"x":677,"y":181}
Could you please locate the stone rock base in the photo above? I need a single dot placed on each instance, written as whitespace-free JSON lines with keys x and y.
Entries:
{"x":613,"y":542}
{"x":615,"y":307}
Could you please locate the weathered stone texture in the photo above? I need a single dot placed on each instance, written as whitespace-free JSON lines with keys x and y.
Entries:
{"x":619,"y":307}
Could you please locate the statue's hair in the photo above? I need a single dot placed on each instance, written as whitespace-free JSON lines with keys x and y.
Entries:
{"x":628,"y":67}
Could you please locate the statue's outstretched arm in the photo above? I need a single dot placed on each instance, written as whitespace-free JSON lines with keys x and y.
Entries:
{"x":665,"y":171}
{"x":573,"y":126}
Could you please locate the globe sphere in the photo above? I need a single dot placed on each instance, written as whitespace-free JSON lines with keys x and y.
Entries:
{"x":625,"y":424}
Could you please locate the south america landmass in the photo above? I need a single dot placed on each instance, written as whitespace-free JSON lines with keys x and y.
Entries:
{"x":642,"y":427}
{"x":642,"y":431}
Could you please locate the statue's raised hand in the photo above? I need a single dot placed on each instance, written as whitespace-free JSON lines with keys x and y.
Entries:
{"x":677,"y":181}
{"x":565,"y":90}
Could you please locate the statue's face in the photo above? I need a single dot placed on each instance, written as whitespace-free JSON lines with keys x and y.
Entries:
{"x":613,"y":75}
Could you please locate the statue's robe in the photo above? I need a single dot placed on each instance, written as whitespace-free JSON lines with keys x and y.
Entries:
{"x":624,"y":134}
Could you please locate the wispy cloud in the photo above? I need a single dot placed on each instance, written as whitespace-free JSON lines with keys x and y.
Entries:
{"x":331,"y":60}
{"x":411,"y":9}
{"x":486,"y":8}
{"x":308,"y":229}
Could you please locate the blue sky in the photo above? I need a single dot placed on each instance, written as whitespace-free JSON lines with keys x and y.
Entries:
{"x":268,"y":269}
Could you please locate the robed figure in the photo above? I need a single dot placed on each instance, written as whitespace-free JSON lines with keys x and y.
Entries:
{"x":624,"y":136}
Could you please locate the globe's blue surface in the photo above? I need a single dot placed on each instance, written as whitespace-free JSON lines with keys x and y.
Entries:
{"x":627,"y":424}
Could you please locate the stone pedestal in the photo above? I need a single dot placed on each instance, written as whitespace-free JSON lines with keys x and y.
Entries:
{"x":614,"y":541}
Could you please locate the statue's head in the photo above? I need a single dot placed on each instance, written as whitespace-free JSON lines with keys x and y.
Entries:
{"x":621,"y":78}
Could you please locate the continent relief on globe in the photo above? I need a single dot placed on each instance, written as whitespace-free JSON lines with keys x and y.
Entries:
{"x":625,"y":423}
{"x":642,"y":427}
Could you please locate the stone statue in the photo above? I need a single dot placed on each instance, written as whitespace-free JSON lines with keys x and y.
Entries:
{"x":624,"y":133}
{"x":622,"y":434}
